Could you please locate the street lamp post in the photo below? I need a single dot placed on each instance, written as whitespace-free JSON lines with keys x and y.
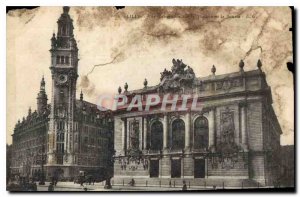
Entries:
{"x":42,"y":178}
{"x":110,"y":160}
{"x":107,"y":175}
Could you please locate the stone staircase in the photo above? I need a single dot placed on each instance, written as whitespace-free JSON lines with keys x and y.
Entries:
{"x":138,"y":171}
{"x":191,"y":182}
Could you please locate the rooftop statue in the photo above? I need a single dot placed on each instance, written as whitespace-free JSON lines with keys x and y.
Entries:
{"x":164,"y":74}
{"x":178,"y":66}
{"x":180,"y":74}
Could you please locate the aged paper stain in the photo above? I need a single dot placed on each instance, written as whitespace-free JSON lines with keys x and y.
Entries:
{"x":133,"y":43}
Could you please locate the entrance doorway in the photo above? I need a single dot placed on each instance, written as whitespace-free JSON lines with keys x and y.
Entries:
{"x":199,"y":168}
{"x":154,"y":168}
{"x":175,"y":168}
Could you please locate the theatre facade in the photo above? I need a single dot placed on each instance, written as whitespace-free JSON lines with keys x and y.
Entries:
{"x":222,"y":127}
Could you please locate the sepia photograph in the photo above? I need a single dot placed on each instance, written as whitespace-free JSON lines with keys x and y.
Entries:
{"x":150,"y":98}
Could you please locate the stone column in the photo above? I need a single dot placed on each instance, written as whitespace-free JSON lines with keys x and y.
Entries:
{"x":188,"y":166}
{"x":187,"y":130}
{"x":145,"y":133}
{"x":165,"y":164}
{"x":141,"y":131}
{"x":166,"y":132}
{"x":211,"y":129}
{"x":124,"y":135}
{"x":127,"y":134}
{"x":244,"y":127}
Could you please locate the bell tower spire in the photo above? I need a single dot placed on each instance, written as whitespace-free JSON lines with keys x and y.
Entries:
{"x":42,"y":98}
{"x":64,"y":68}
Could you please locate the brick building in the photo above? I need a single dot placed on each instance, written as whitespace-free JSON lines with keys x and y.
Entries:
{"x":67,"y":135}
{"x":233,"y":135}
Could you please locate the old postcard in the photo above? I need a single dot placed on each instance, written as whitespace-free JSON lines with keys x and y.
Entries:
{"x":150,"y":99}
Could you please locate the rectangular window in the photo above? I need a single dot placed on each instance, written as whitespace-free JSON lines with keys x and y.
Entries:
{"x":62,"y":59}
{"x":58,"y":59}
{"x":60,"y":147}
{"x":67,"y":59}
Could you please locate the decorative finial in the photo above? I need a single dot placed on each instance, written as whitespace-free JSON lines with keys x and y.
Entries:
{"x":53,"y":41}
{"x":66,"y":9}
{"x":126,"y":87}
{"x":81,"y":95}
{"x":241,"y":65}
{"x":42,"y":87}
{"x":29,"y":111}
{"x":145,"y":83}
{"x":43,"y":80}
{"x":213,"y":69}
{"x":259,"y":64}
{"x":119,"y":90}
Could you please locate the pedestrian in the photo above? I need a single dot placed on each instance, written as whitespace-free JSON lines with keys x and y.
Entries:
{"x":184,"y":187}
{"x":170,"y":183}
{"x":81,"y":180}
{"x":52,"y":180}
{"x":132,"y":182}
{"x":34,"y":186}
{"x":51,"y":187}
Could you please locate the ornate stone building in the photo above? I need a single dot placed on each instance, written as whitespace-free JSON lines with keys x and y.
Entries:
{"x":287,"y":167}
{"x":67,"y":135}
{"x":228,"y":131}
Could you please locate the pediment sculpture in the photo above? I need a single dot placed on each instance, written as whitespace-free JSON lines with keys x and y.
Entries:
{"x":180,"y":74}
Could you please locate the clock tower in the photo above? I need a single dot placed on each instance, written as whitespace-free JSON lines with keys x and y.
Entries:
{"x":64,"y":66}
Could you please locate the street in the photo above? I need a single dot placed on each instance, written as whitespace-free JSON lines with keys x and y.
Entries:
{"x":70,"y":186}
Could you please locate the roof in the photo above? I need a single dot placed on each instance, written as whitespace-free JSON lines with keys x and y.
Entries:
{"x":150,"y":89}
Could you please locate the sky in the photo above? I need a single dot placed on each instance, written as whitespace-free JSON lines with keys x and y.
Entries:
{"x":135,"y":43}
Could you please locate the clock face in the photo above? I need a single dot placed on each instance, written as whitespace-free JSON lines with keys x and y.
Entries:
{"x":62,"y":78}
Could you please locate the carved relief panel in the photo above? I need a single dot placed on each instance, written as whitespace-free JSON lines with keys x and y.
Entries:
{"x":134,"y":132}
{"x":228,"y":132}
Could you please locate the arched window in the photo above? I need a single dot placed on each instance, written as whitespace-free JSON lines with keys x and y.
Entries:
{"x":60,"y":137}
{"x":156,"y":135}
{"x":64,"y":30}
{"x":201,"y":133}
{"x":178,"y":130}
